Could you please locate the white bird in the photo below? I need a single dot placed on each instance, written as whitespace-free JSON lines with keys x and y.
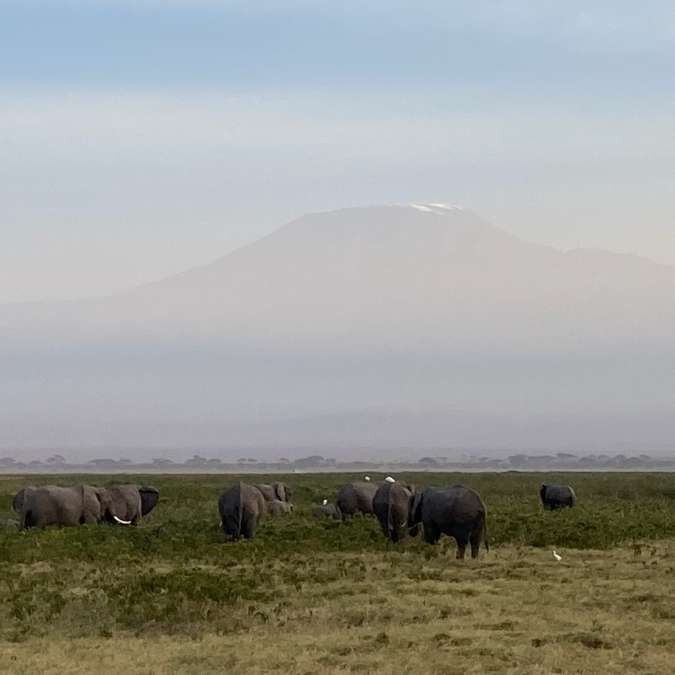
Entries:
{"x":325,"y":501}
{"x":557,"y":557}
{"x":366,"y":478}
{"x":389,"y":479}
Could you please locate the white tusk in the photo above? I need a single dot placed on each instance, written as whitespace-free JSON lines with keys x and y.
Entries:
{"x":122,"y":522}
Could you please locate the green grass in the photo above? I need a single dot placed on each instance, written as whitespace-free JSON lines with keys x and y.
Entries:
{"x":176,"y":575}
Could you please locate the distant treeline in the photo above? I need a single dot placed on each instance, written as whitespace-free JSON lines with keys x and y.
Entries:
{"x":519,"y":462}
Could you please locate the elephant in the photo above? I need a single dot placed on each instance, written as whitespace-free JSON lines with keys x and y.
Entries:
{"x":457,"y":511}
{"x":391,"y":505}
{"x":327,"y":511}
{"x":67,"y":506}
{"x":278,"y":508}
{"x":132,"y":502}
{"x":241,"y":508}
{"x":557,"y":496}
{"x":356,"y":497}
{"x":279,"y":491}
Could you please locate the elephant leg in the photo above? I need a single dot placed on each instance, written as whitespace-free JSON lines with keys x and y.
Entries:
{"x":88,"y":519}
{"x":248,"y":524}
{"x":431,"y":533}
{"x":475,"y":539}
{"x":462,"y":541}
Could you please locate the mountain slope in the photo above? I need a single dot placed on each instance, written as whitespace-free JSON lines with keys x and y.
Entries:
{"x":401,"y":269}
{"x":340,"y":321}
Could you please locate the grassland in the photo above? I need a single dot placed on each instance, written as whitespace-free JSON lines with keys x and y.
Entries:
{"x":310,"y":595}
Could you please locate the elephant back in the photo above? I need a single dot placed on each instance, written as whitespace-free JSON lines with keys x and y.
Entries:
{"x":357,"y":497}
{"x":458,"y":503}
{"x":391,"y":505}
{"x":557,"y":495}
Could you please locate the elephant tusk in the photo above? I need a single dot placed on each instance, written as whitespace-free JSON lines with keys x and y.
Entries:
{"x":122,"y":522}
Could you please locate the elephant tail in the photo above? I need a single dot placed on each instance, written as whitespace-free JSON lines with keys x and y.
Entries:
{"x":390,"y":524}
{"x":240,"y":512}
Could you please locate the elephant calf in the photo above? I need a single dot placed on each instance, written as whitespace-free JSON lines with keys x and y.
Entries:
{"x":391,"y":505}
{"x":277,"y":508}
{"x":241,"y":508}
{"x":457,"y":511}
{"x":327,"y":511}
{"x":557,"y":496}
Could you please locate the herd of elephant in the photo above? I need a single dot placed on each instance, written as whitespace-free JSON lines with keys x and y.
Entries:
{"x":456,"y":511}
{"x":400,"y":509}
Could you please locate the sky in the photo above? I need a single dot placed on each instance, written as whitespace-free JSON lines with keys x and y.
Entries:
{"x":140,"y":138}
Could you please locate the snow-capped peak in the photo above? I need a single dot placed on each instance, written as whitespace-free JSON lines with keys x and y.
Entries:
{"x":435,"y":207}
{"x":421,"y":207}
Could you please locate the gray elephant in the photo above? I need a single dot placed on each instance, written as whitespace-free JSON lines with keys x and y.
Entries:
{"x":391,"y":505}
{"x":279,"y":491}
{"x":66,"y":506}
{"x":557,"y":496}
{"x":132,"y":502}
{"x":356,"y":498}
{"x":241,"y":508}
{"x":278,"y":508}
{"x":457,"y":511}
{"x":327,"y":511}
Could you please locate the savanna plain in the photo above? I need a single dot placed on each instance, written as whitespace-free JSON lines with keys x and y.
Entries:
{"x":312,"y":595}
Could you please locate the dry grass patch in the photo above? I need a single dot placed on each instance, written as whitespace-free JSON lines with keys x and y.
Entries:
{"x":596,"y":611}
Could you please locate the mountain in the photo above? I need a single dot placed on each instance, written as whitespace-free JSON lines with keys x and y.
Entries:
{"x":357,"y":314}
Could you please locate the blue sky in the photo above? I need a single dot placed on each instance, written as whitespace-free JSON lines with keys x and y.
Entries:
{"x":139,"y":138}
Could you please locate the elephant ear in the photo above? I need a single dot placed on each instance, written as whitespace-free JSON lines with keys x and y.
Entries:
{"x":149,"y":499}
{"x":17,"y":502}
